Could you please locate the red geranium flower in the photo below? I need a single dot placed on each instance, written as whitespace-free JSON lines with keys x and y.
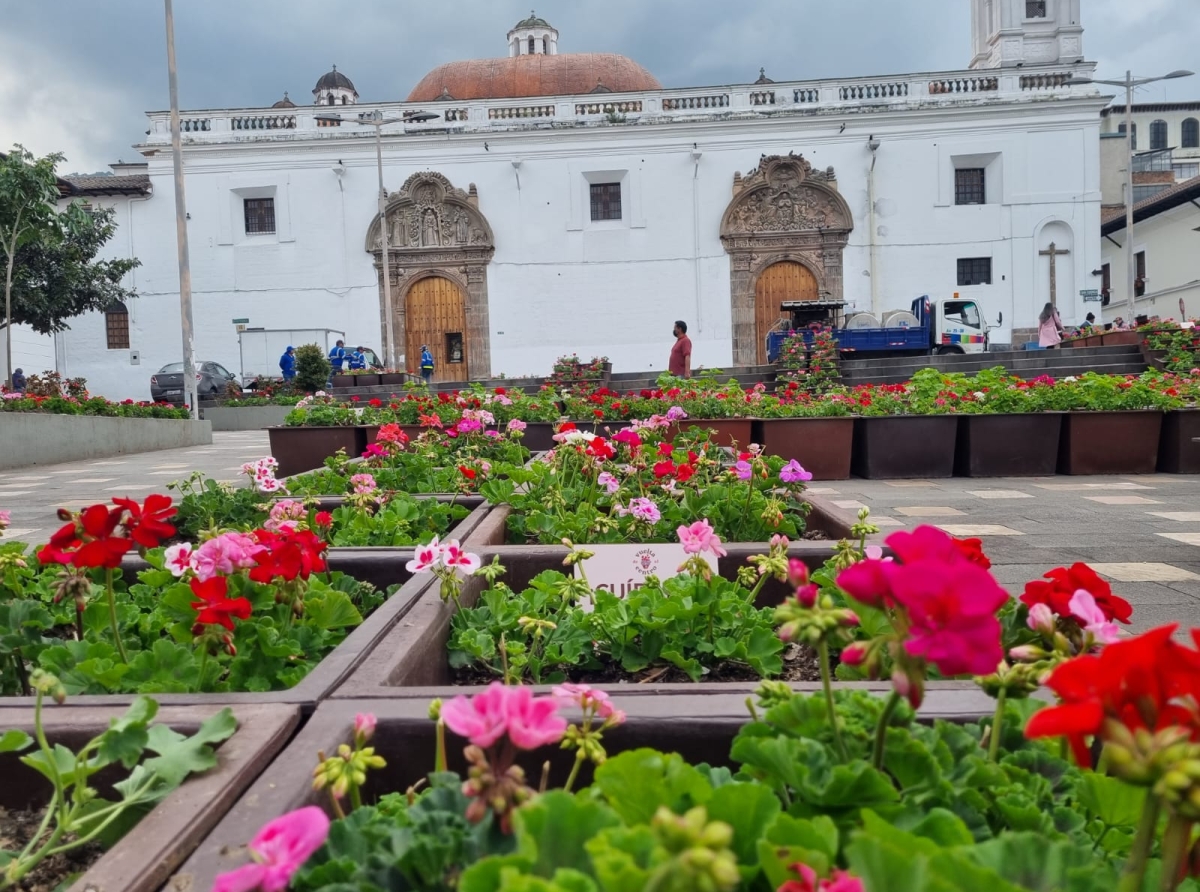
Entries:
{"x":375,"y":403}
{"x":288,"y":554}
{"x":215,"y":607}
{"x":88,"y":541}
{"x":664,"y":469}
{"x":469,"y":473}
{"x":323,"y":519}
{"x":684,"y":473}
{"x":147,"y":525}
{"x":665,"y":449}
{"x":972,"y":550}
{"x":1149,"y":682}
{"x":629,"y":437}
{"x":566,"y":426}
{"x":1064,"y":582}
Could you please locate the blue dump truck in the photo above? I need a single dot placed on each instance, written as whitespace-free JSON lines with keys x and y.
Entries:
{"x":945,"y":326}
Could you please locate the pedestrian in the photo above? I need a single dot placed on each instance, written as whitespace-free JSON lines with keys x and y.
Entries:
{"x":287,"y":364}
{"x":426,"y":364}
{"x":337,"y":357}
{"x":358,"y":360}
{"x":1050,"y":330}
{"x":18,"y":381}
{"x":681,"y":354}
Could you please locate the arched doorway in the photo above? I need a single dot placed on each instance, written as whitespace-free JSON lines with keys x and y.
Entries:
{"x":435,"y":314}
{"x":780,"y":282}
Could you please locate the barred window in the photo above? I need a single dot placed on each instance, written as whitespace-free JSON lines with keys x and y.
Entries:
{"x":974,"y":271}
{"x":1190,"y":131}
{"x":260,"y":216}
{"x":606,"y":201}
{"x":1035,"y":9}
{"x":116,"y":324}
{"x":969,"y":186}
{"x":1158,"y":135}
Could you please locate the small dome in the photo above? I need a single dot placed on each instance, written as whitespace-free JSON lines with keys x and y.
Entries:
{"x":334,"y":80}
{"x":284,"y":102}
{"x":762,"y":77}
{"x":534,"y":21}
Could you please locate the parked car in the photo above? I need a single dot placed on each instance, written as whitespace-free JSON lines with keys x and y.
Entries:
{"x":212,"y":382}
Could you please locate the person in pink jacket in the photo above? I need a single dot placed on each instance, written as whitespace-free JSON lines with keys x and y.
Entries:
{"x":1050,"y":328}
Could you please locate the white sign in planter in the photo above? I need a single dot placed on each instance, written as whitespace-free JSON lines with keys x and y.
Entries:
{"x":622,"y":568}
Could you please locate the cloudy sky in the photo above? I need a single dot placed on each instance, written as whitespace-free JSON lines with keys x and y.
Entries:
{"x":76,"y":75}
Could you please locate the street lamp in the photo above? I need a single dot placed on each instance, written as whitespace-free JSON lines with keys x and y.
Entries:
{"x":378,"y":121}
{"x":1130,"y":83}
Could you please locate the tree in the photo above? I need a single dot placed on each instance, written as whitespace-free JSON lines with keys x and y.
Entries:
{"x":59,"y":279}
{"x":28,"y":213}
{"x":312,"y":368}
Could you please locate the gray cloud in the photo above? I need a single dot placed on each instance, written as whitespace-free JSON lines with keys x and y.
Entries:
{"x":76,"y":75}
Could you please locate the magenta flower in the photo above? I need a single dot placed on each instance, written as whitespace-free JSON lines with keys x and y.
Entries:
{"x":793,"y":472}
{"x":455,"y":558}
{"x":279,"y":849}
{"x":428,"y":557}
{"x":178,"y":559}
{"x":364,"y":726}
{"x":700,"y":537}
{"x":1091,"y":617}
{"x":644,"y":509}
{"x":5,"y":519}
{"x":675,"y":413}
{"x":481,"y":719}
{"x":532,"y":721}
{"x":743,"y":470}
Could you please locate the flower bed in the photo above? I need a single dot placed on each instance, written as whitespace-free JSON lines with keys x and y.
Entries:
{"x":834,"y":791}
{"x":141,"y":859}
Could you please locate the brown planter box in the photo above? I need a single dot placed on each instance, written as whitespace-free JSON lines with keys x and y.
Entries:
{"x":700,"y":727}
{"x":1179,"y":446}
{"x":415,"y":653}
{"x":367,"y":380}
{"x":725,"y":431}
{"x":381,"y":567}
{"x":1156,"y":359}
{"x":149,"y":853}
{"x":392,"y":379}
{"x":1008,"y":445}
{"x":1110,"y":442}
{"x":342,"y":380}
{"x":904,"y":446}
{"x":300,"y":449}
{"x":1093,"y":341}
{"x":1120,"y":338}
{"x":822,"y":445}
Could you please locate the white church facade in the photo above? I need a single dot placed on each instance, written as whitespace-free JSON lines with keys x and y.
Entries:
{"x":545,"y":203}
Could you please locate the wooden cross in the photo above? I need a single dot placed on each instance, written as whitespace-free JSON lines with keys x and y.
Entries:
{"x":1053,"y":253}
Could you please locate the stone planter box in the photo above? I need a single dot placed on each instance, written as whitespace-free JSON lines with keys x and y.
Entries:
{"x":343,"y":380}
{"x":392,"y":379}
{"x":1008,"y":445}
{"x":40,"y":438}
{"x":149,"y":853}
{"x":822,"y":445}
{"x":368,"y":380}
{"x":700,"y":727}
{"x":1120,"y":338}
{"x":725,"y":431}
{"x":246,"y":418}
{"x":1179,"y":446}
{"x":1110,"y":442}
{"x":904,"y":446}
{"x":300,"y":449}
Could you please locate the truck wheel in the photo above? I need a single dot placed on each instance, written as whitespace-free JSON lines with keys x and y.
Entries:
{"x":949,"y":351}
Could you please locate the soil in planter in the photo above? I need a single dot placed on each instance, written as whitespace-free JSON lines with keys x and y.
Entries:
{"x":16,"y":828}
{"x":799,"y":664}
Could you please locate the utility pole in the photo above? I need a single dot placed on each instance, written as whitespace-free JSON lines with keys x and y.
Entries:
{"x":185,"y":267}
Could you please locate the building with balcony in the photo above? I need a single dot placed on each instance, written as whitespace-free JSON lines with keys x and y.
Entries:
{"x":545,"y":202}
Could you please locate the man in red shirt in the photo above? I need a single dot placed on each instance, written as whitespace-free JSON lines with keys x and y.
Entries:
{"x":681,"y":354}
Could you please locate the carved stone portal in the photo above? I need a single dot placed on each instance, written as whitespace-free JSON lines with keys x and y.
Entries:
{"x":783,"y":210}
{"x":436,"y":230}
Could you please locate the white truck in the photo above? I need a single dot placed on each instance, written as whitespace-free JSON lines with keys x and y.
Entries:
{"x":260,"y":348}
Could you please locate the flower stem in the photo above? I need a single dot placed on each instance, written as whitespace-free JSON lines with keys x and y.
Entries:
{"x":1175,"y":846}
{"x":203,"y":666}
{"x":580,"y":758}
{"x":827,"y":685}
{"x":997,"y":726}
{"x":112,"y":614}
{"x":1135,"y":866}
{"x":355,"y":796}
{"x":881,"y":731}
{"x":439,"y":761}
{"x":737,"y":537}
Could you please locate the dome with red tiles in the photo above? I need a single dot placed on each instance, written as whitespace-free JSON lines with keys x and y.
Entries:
{"x":534,"y":67}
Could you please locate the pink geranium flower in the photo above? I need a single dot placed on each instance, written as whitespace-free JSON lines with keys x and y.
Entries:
{"x":455,"y":558}
{"x":1091,"y":617}
{"x":1042,"y":618}
{"x":481,"y":719}
{"x":178,"y":559}
{"x":610,"y":483}
{"x":533,"y":721}
{"x":644,"y":509}
{"x":744,"y":470}
{"x":279,"y":850}
{"x":793,"y":472}
{"x":700,"y":537}
{"x":225,"y":555}
{"x":516,"y":425}
{"x":586,"y":697}
{"x":364,"y":726}
{"x":427,"y":558}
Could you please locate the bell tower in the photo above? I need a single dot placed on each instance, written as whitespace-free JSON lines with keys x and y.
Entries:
{"x":1015,"y":33}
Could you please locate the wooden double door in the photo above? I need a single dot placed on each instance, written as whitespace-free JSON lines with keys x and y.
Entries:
{"x":436,"y":315}
{"x":779,"y":283}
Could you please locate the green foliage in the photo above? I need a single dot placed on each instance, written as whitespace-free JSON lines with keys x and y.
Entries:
{"x":312,"y":368}
{"x":544,"y":635}
{"x":402,"y":520}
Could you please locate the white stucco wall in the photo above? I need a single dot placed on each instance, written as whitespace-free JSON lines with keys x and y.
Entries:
{"x":32,"y":352}
{"x":1172,"y":247}
{"x":560,"y":284}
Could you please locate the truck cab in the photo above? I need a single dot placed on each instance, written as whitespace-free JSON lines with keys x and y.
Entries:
{"x":960,"y":327}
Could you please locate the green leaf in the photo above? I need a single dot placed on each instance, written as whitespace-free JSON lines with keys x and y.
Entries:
{"x":748,"y":809}
{"x":636,"y":783}
{"x":179,"y":756}
{"x":167,"y":667}
{"x":14,"y":741}
{"x":331,"y":609}
{"x":1031,"y":861}
{"x":552,"y":831}
{"x":1114,"y":802}
{"x":127,"y":737}
{"x":623,"y":858}
{"x":791,"y":841}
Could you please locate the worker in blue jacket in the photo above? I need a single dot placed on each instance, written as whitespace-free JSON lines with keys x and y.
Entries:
{"x":337,"y":357}
{"x":287,"y":364}
{"x":426,"y":364}
{"x":358,"y":359}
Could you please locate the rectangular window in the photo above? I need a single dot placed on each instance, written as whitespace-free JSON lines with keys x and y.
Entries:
{"x":606,"y":201}
{"x":260,"y":216}
{"x":974,"y":271}
{"x":454,"y":347}
{"x":1186,"y":171}
{"x":969,"y":186}
{"x":1035,"y":9}
{"x":1106,"y":280}
{"x":1139,"y":283}
{"x":116,"y":324}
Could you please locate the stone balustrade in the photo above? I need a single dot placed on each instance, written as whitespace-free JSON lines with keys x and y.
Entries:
{"x":653,"y":107}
